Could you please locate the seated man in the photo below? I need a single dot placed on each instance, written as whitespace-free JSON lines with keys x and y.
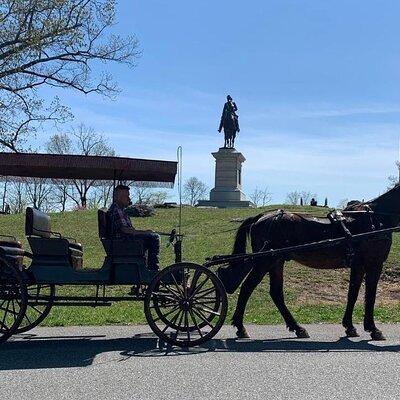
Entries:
{"x":121,"y":226}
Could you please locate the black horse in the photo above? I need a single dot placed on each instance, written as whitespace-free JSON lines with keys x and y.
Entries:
{"x":280,"y":229}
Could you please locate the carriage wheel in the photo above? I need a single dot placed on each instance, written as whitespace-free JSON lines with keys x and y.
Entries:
{"x":40,"y":302}
{"x":13,"y":300}
{"x":188,"y":311}
{"x":212,"y":302}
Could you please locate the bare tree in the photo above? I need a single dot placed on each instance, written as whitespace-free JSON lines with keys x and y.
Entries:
{"x":60,"y":194}
{"x":37,"y":192}
{"x":60,"y":143}
{"x":266,"y":196}
{"x":55,"y":44}
{"x":293,"y":198}
{"x":255,"y":197}
{"x":393,"y":179}
{"x":87,"y":142}
{"x":296,"y":196}
{"x":4,"y":180}
{"x":140,"y":193}
{"x":17,"y":197}
{"x":194,"y":190}
{"x":104,"y":189}
{"x":158,"y":197}
{"x":101,"y":195}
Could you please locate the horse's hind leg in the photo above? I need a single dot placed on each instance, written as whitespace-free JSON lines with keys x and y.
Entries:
{"x":356,"y":277}
{"x":276,"y":292}
{"x":250,"y":283}
{"x":372,"y":275}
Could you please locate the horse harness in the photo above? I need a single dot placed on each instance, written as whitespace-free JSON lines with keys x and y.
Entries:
{"x":334,"y":217}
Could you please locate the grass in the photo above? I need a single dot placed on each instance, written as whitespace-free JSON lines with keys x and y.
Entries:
{"x":312,"y":295}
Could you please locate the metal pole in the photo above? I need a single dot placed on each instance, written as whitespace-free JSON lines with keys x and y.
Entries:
{"x":179,"y":157}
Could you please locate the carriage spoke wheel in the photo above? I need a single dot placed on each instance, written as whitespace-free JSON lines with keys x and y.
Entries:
{"x":13,"y":300}
{"x":186,"y":304}
{"x":40,"y":301}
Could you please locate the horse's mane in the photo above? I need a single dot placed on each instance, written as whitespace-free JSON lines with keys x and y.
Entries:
{"x":386,"y":198}
{"x":356,"y":205}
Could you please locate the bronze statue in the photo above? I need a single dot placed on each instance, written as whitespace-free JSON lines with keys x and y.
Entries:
{"x":230,"y":122}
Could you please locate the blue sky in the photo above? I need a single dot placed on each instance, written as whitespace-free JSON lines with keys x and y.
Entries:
{"x":316,"y":84}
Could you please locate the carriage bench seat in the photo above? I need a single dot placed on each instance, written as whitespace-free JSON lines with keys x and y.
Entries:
{"x":12,"y":252}
{"x":49,"y":246}
{"x":117,"y":247}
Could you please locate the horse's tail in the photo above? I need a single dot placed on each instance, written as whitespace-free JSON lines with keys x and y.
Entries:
{"x":239,"y":247}
{"x":233,"y":275}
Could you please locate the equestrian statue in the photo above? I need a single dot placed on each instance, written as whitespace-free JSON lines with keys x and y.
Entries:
{"x":229,"y":122}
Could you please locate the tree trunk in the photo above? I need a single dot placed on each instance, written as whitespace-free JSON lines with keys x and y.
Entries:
{"x":4,"y":195}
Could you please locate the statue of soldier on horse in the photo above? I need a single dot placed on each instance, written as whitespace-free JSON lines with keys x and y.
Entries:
{"x":229,"y":122}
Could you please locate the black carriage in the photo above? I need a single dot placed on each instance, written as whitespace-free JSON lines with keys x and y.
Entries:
{"x":185,"y":304}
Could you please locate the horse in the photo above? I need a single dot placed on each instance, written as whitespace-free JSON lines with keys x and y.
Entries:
{"x":230,"y":125}
{"x":279,"y":229}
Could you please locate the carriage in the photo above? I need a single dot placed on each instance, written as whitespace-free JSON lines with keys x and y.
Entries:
{"x":185,"y":304}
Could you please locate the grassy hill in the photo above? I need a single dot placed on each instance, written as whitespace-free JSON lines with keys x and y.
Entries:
{"x":312,"y":295}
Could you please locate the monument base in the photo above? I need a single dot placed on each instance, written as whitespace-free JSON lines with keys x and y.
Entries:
{"x":227,"y":192}
{"x":225,"y":204}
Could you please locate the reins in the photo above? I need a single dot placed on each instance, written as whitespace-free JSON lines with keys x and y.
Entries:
{"x":367,"y":212}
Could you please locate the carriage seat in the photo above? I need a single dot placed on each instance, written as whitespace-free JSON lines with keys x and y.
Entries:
{"x":116,"y":246}
{"x":44,"y":241}
{"x":11,"y":250}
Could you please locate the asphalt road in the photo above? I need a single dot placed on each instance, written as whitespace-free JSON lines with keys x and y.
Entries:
{"x":121,"y":363}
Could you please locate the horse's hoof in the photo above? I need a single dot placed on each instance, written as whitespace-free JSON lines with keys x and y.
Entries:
{"x":302,"y":333}
{"x":242,"y":334}
{"x":377,"y":335}
{"x":352,"y":332}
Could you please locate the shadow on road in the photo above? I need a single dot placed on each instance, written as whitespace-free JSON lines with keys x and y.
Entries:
{"x":34,"y":352}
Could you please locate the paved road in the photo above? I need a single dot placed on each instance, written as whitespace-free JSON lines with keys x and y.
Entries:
{"x":126,"y":363}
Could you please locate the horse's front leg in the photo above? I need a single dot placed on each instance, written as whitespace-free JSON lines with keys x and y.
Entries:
{"x":250,"y":283}
{"x":356,"y":277}
{"x":277,"y":295}
{"x":372,"y":275}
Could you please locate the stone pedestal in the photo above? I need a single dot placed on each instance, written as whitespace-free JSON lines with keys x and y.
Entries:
{"x":228,"y":181}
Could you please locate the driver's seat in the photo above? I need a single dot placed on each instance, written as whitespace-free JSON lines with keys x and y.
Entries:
{"x":127,"y":258}
{"x":116,"y":246}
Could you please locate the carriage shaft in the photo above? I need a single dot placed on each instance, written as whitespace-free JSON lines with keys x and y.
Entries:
{"x":222,"y":259}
